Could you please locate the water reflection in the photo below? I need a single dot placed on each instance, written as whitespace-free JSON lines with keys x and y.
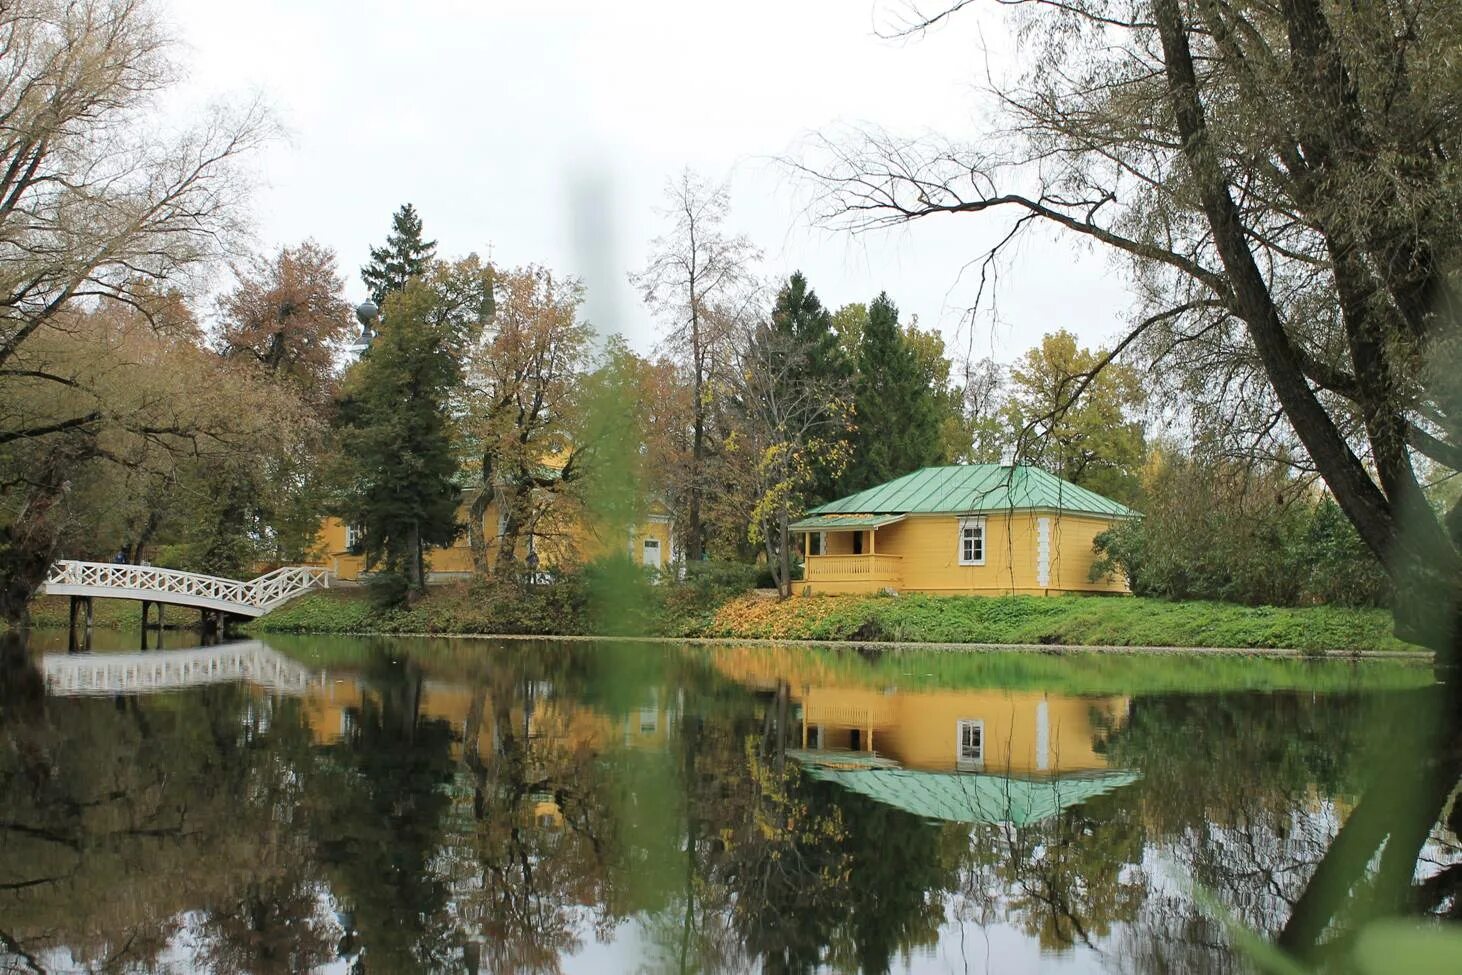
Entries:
{"x":387,"y":806}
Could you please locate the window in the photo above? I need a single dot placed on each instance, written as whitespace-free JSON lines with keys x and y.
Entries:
{"x":352,"y":538}
{"x":817,"y":543}
{"x":972,"y":541}
{"x":970,"y":751}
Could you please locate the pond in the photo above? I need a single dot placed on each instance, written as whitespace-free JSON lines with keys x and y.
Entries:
{"x":395,"y":805}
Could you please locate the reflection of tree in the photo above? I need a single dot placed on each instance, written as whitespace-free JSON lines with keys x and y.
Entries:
{"x":1068,"y":879}
{"x":902,"y":872}
{"x":381,"y":795}
{"x":524,"y":885}
{"x":1247,"y":794}
{"x":126,"y":819}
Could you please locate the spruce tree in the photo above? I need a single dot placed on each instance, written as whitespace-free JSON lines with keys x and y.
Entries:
{"x":895,"y":412}
{"x":404,"y":257}
{"x":801,"y":318}
{"x":395,"y":437}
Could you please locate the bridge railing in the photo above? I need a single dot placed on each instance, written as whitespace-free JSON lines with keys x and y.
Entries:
{"x":265,"y":592}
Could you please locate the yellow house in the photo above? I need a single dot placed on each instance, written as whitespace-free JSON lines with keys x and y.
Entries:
{"x":971,"y":528}
{"x":557,"y":538}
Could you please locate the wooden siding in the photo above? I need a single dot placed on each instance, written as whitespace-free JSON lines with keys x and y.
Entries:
{"x":928,"y":549}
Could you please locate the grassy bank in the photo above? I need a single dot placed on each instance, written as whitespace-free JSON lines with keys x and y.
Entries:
{"x":1056,"y":621}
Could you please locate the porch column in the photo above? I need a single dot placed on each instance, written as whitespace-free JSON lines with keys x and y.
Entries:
{"x":873,"y":541}
{"x":806,"y":546}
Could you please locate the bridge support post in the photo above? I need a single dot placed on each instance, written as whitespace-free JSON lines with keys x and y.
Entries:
{"x":210,"y":623}
{"x":80,"y":605}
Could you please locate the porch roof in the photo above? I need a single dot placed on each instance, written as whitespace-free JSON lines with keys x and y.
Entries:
{"x":821,"y":523}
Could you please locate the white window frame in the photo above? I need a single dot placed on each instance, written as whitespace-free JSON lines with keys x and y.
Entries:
{"x":821,"y":545}
{"x":352,"y":538}
{"x":961,"y":760}
{"x":971,"y":524}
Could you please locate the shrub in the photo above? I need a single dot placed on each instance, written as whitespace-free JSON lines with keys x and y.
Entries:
{"x":1222,"y":530}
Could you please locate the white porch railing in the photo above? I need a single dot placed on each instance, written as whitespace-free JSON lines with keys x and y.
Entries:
{"x":853,"y":568}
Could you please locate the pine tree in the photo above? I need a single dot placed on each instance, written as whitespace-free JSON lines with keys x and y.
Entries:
{"x":405,"y":256}
{"x":395,"y":436}
{"x":808,"y":326}
{"x":895,"y":411}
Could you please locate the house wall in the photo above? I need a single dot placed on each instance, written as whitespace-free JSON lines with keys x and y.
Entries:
{"x":559,"y":542}
{"x":928,"y":549}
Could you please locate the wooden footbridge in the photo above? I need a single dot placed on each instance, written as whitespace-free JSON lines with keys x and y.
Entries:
{"x":216,"y":598}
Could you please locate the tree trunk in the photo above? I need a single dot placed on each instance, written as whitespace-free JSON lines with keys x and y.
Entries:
{"x":695,"y":549}
{"x":514,"y":507}
{"x":476,"y":536}
{"x":415,"y":569}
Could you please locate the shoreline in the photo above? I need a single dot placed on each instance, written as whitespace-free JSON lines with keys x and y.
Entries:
{"x":1050,"y":649}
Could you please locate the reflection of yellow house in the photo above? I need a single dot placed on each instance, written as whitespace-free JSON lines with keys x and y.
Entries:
{"x":547,"y":724}
{"x":1023,"y":733}
{"x":973,"y":528}
{"x":556,"y":541}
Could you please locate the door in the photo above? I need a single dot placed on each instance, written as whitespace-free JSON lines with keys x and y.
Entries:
{"x":651,"y":555}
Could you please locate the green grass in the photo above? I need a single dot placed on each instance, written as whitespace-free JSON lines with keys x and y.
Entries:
{"x":1058,"y":621}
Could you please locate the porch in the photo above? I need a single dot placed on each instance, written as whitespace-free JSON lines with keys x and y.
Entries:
{"x":840,"y":554}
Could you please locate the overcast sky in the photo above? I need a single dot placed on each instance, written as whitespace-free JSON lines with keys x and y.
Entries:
{"x":544,"y":131}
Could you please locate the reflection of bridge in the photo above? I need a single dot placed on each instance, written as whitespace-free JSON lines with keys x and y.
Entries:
{"x":86,"y":674}
{"x":174,"y":587}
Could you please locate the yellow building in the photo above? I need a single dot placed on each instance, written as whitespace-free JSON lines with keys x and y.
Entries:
{"x":973,"y":528}
{"x":556,"y":538}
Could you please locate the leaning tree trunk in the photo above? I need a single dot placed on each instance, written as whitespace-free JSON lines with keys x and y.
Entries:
{"x":1424,"y":566}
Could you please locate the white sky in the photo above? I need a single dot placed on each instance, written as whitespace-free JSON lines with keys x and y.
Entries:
{"x":507,"y":123}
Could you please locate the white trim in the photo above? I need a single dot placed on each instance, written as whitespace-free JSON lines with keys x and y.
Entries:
{"x":1043,"y":552}
{"x":962,"y":760}
{"x":968,"y":524}
{"x":1043,"y":736}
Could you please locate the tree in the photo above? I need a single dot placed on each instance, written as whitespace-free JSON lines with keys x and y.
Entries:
{"x":698,"y":281}
{"x":405,"y":256}
{"x":96,"y":208}
{"x":821,"y":364}
{"x":523,"y":380}
{"x":397,"y":451}
{"x":894,"y":409}
{"x":1094,"y":440}
{"x":792,"y":433}
{"x":956,"y":432}
{"x":288,"y":313}
{"x":1277,"y":177}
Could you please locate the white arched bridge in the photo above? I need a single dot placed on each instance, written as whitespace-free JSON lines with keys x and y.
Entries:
{"x":150,"y":584}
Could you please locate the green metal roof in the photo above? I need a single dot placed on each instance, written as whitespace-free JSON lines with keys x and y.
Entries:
{"x":817,"y":523}
{"x":973,"y":489}
{"x":972,"y":797}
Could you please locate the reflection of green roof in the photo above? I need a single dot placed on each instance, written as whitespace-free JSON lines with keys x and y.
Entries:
{"x":817,"y":523}
{"x":972,"y":488}
{"x":972,"y":797}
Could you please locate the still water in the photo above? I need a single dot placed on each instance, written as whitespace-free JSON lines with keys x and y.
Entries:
{"x":381,"y":805}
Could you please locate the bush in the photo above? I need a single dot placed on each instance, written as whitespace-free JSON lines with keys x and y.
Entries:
{"x":1223,"y":531}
